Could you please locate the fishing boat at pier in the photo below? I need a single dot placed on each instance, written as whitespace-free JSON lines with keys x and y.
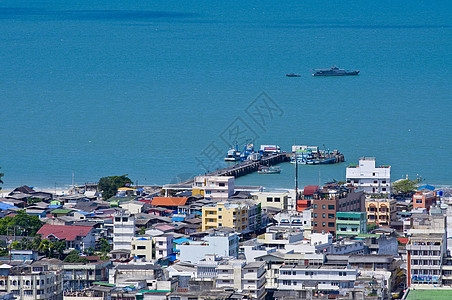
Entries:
{"x":268,"y":170}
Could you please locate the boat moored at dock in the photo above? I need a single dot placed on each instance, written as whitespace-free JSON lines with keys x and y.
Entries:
{"x":268,"y":170}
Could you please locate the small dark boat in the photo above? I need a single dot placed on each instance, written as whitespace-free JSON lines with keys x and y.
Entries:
{"x":293,"y":75}
{"x":333,"y":71}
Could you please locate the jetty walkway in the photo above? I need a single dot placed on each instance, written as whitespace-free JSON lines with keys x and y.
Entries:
{"x":246,"y":167}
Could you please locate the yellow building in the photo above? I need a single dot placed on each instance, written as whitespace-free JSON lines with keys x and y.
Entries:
{"x":142,"y":247}
{"x":225,"y":215}
{"x":381,"y":211}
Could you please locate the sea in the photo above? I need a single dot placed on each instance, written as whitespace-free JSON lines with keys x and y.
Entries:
{"x":160,"y":90}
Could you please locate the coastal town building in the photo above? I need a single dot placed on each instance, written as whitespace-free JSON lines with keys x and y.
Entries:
{"x":214,"y":187}
{"x":273,"y":199}
{"x":224,"y":214}
{"x":330,"y":199}
{"x":76,"y":237}
{"x":424,"y":198}
{"x":220,"y":243}
{"x":307,"y":197}
{"x":368,"y":177}
{"x":123,"y":231}
{"x":381,"y":211}
{"x":350,"y":223}
{"x":30,"y":283}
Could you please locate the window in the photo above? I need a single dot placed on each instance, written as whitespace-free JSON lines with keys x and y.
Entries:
{"x":125,"y":219}
{"x":315,"y":206}
{"x":373,"y":174}
{"x":418,"y":200}
{"x":141,"y":247}
{"x":330,"y":216}
{"x":323,"y":206}
{"x":160,"y":252}
{"x":323,"y":224}
{"x":277,"y":199}
{"x":315,"y":215}
{"x":220,"y":209}
{"x":208,"y":192}
{"x":269,"y":199}
{"x":383,"y":189}
{"x":220,"y":224}
{"x":323,"y":216}
{"x":330,"y":224}
{"x":330,"y":206}
{"x":220,"y":217}
{"x":384,"y":181}
{"x":117,"y":219}
{"x":221,"y":184}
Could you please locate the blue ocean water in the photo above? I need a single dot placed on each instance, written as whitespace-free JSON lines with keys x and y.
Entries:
{"x":156,"y":89}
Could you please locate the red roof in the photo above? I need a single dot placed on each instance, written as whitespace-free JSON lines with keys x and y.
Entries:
{"x":309,"y":190}
{"x":64,"y":232}
{"x":403,"y":240}
{"x":169,"y":201}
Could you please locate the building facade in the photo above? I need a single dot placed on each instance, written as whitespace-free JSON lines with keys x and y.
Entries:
{"x":123,"y":231}
{"x":350,"y":223}
{"x":373,"y":180}
{"x":225,"y":215}
{"x":214,"y":187}
{"x":381,"y":211}
{"x":331,"y":199}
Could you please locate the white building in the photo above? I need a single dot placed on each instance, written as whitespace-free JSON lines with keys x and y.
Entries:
{"x":214,"y":187}
{"x":371,"y":179}
{"x":30,"y":283}
{"x":219,"y":243}
{"x":325,"y":278}
{"x":234,"y":274}
{"x":163,"y":245}
{"x":123,"y":231}
{"x":278,"y":199}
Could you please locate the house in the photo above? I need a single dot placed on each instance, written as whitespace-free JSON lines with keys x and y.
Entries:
{"x":171,"y":203}
{"x":76,"y":237}
{"x":133,"y":207}
{"x":273,"y":199}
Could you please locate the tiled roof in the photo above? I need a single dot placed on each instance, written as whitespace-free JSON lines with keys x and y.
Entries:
{"x":169,"y":201}
{"x":64,"y":232}
{"x":309,"y":190}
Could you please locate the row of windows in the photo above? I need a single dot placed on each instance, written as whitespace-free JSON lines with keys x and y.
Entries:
{"x":425,"y":252}
{"x":330,"y":224}
{"x":330,"y":206}
{"x":24,"y":282}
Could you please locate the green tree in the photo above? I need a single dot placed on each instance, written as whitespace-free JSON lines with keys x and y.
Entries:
{"x":20,"y":225}
{"x":74,"y":257}
{"x":57,"y":248}
{"x":104,"y":246}
{"x":404,"y":187}
{"x":109,"y":185}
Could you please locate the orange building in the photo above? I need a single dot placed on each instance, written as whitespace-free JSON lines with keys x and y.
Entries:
{"x":424,"y":197}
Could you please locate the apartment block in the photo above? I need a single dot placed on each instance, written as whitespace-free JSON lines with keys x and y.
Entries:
{"x":123,"y":231}
{"x":381,"y":211}
{"x":331,"y":199}
{"x":214,"y":187}
{"x":424,"y":198}
{"x":368,"y":177}
{"x":324,"y":278}
{"x":225,"y":215}
{"x":350,"y":223}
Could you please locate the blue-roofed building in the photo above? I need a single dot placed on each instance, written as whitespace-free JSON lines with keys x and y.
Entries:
{"x":4,"y":206}
{"x":177,"y":219}
{"x":426,"y":187}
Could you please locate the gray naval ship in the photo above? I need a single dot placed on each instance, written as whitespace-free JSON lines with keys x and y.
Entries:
{"x":333,"y":71}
